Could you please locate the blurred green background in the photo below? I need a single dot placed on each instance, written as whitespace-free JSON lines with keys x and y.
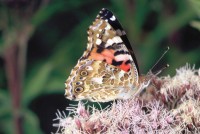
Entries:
{"x":41,"y":41}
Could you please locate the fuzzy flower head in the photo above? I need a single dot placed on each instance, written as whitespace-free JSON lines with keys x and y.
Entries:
{"x":185,"y":83}
{"x":123,"y":117}
{"x":171,"y":105}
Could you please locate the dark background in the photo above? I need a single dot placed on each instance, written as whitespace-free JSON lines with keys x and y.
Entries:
{"x":41,"y":41}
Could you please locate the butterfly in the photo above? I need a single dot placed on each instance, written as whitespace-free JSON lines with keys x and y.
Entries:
{"x":108,"y":68}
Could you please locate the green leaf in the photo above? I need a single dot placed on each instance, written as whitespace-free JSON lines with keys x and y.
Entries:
{"x":5,"y":103}
{"x":196,"y":5}
{"x":31,"y":123}
{"x":4,"y":95}
{"x":56,"y":85}
{"x":7,"y":126}
{"x":55,"y":7}
{"x":46,"y":12}
{"x":36,"y":84}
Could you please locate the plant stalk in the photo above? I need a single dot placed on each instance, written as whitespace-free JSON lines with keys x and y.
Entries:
{"x":14,"y":84}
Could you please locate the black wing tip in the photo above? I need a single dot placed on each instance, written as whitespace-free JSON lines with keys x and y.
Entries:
{"x":105,"y":13}
{"x":104,"y":9}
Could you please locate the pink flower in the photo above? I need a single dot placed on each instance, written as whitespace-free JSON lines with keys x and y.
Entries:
{"x":169,"y":105}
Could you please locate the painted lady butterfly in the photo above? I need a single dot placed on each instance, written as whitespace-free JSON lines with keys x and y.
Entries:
{"x":108,"y":69}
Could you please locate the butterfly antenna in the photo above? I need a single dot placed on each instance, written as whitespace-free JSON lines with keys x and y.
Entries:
{"x":166,"y":50}
{"x":159,"y":71}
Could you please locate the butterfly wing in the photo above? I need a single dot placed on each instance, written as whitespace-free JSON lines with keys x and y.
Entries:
{"x":107,"y":41}
{"x":108,"y":69}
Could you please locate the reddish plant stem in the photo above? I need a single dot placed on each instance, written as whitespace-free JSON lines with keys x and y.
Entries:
{"x":14,"y":84}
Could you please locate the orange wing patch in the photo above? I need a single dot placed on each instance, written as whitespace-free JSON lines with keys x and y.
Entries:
{"x":125,"y":67}
{"x":106,"y":55}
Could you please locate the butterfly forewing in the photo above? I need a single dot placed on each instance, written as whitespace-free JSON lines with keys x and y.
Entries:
{"x":107,"y":42}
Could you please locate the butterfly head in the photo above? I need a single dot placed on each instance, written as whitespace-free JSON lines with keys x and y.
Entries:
{"x":76,"y":84}
{"x":145,"y":80}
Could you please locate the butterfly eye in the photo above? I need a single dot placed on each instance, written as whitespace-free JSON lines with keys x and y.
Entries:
{"x":84,"y":73}
{"x":78,"y":89}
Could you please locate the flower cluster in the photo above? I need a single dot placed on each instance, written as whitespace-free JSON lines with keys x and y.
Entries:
{"x":169,"y":105}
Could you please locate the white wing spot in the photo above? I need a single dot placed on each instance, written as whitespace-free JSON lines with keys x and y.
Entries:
{"x":117,"y":39}
{"x":113,"y":18}
{"x":122,"y":57}
{"x":107,"y":45}
{"x":97,"y":80}
{"x":121,"y":74}
{"x":89,"y":39}
{"x":98,"y":41}
{"x":110,"y":41}
{"x":108,"y":27}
